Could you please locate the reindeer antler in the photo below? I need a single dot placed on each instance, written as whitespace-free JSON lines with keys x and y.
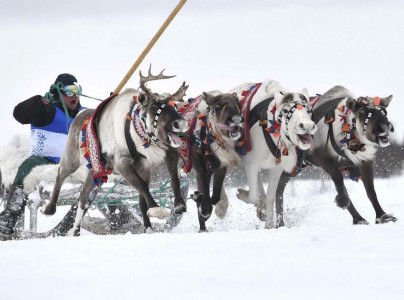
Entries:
{"x":150,"y":77}
{"x":178,"y":95}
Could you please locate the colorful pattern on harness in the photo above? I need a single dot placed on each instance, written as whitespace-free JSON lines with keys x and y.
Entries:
{"x":188,"y":114}
{"x":91,"y":147}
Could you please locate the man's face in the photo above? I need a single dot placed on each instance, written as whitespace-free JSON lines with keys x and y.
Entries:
{"x":71,"y":101}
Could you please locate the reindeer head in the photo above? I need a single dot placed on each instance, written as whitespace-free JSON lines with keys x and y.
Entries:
{"x":160,"y":116}
{"x":293,"y":112}
{"x":371,"y":120}
{"x":225,"y":114}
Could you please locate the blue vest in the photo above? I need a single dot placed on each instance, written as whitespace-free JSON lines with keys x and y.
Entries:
{"x":50,"y":141}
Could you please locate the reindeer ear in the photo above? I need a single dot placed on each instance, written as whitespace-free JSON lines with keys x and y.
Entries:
{"x":305,"y":93}
{"x":386,"y":101}
{"x":278,"y":97}
{"x":208,"y":98}
{"x":143,"y":99}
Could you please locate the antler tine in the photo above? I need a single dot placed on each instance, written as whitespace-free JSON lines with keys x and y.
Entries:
{"x":178,"y":95}
{"x":150,"y":77}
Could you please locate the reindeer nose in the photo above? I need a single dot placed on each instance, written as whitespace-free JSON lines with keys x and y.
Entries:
{"x":176,"y":124}
{"x":308,"y":126}
{"x":236,"y":119}
{"x":179,"y":125}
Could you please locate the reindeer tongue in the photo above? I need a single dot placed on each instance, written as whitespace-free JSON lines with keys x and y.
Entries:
{"x":175,"y":137}
{"x":307,"y":138}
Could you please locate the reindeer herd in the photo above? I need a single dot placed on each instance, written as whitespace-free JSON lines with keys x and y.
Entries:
{"x":271,"y":127}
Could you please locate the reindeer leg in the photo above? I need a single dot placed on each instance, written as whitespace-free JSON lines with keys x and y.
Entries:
{"x":63,"y":171}
{"x":331,"y":167}
{"x":130,"y":171}
{"x":171,"y":160}
{"x":283,"y":181}
{"x":274,"y":176}
{"x":223,"y":205}
{"x":143,"y":208}
{"x":84,"y":196}
{"x":219,"y":197}
{"x":366,"y":169}
{"x":202,"y":200}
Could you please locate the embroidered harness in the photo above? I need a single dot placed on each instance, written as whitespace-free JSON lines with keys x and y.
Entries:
{"x":269,"y":126}
{"x":350,"y":140}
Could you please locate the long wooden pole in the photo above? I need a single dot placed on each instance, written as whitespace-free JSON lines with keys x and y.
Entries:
{"x":149,"y":46}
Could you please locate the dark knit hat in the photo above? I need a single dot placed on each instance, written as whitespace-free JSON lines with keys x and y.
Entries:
{"x":66,"y":79}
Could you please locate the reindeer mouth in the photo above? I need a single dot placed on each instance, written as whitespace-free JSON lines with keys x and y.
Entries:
{"x":306,"y":139}
{"x":174,"y":139}
{"x":233,"y":130}
{"x":383,"y":140}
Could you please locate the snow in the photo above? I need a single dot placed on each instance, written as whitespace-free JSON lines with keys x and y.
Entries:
{"x":318,"y":255}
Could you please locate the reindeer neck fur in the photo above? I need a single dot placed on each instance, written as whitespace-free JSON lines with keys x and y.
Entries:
{"x":112,"y":131}
{"x":223,"y":146}
{"x":288,"y":162}
{"x":370,"y":147}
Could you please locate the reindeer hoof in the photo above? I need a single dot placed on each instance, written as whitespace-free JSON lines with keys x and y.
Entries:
{"x":386,"y":218}
{"x":73,"y":232}
{"x":197,"y":196}
{"x":48,"y":210}
{"x":180,"y":208}
{"x":280,"y":224}
{"x":149,"y":230}
{"x":261,"y":214}
{"x":221,"y":208}
{"x":342,"y":202}
{"x":242,"y":195}
{"x":157,"y":212}
{"x":360,"y":222}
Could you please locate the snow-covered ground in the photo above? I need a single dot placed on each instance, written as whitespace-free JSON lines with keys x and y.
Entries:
{"x":319,"y":255}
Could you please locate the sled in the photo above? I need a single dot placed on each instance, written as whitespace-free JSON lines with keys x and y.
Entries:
{"x":115,"y":204}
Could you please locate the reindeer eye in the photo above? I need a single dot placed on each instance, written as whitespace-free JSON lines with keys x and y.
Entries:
{"x":285,"y":111}
{"x":153,"y":109}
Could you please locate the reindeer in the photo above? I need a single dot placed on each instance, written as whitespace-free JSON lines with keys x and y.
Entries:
{"x":212,"y":148}
{"x":124,"y":153}
{"x":349,"y":131}
{"x":277,"y":148}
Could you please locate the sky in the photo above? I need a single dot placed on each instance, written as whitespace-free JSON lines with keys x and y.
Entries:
{"x":211,"y":44}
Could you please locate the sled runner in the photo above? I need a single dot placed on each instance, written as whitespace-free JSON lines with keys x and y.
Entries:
{"x":112,"y":209}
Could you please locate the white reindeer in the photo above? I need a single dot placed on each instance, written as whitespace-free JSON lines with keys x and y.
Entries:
{"x":292,"y":111}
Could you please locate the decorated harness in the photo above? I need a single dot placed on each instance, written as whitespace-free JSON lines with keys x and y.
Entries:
{"x":92,"y":148}
{"x":350,"y":140}
{"x":271,"y":127}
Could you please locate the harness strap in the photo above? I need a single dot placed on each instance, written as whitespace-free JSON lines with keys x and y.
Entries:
{"x":322,"y":110}
{"x":259,"y":113}
{"x":330,"y":136}
{"x":134,"y":154}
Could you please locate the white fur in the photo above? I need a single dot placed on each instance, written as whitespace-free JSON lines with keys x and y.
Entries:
{"x":77,"y":220}
{"x":10,"y":160}
{"x":260,"y":157}
{"x":157,"y":212}
{"x":112,"y":136}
